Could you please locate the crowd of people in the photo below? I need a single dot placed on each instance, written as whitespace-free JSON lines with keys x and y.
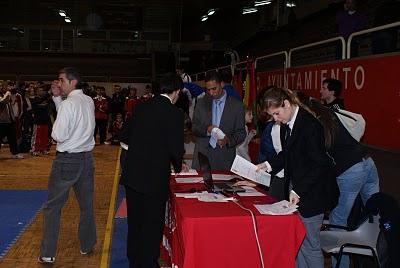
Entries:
{"x":28,"y":112}
{"x":314,"y":160}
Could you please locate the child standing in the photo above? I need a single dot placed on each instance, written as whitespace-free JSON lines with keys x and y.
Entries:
{"x":243,"y":149}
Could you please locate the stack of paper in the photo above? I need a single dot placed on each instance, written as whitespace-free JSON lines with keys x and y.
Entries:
{"x":283,"y":207}
{"x":206,"y":197}
{"x":188,"y":195}
{"x":189,"y":179}
{"x":190,"y":172}
{"x":222,"y":177}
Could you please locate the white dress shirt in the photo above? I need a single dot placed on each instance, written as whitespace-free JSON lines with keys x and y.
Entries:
{"x":74,"y":127}
{"x":276,"y":141}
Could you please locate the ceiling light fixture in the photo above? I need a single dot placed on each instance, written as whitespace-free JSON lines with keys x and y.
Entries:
{"x":248,"y":10}
{"x":211,"y":11}
{"x":290,"y":3}
{"x":67,"y":19}
{"x":62,"y":13}
{"x":261,"y":3}
{"x":204,"y":18}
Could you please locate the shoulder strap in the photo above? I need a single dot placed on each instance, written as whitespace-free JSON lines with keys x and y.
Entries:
{"x":336,"y":110}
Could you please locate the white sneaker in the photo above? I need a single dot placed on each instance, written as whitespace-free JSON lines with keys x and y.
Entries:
{"x":46,"y":259}
{"x":106,"y":143}
{"x":86,"y":253}
{"x":17,"y":156}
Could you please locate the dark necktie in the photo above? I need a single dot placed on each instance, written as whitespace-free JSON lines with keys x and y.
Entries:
{"x":287,"y":132}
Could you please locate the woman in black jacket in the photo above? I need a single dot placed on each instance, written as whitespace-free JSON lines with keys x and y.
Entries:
{"x":308,"y":168}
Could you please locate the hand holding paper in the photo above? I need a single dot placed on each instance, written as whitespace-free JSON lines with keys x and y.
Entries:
{"x":248,"y":170}
{"x":217,"y":133}
{"x":262,"y":167}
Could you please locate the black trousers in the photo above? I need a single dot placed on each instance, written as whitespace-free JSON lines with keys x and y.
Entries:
{"x":101,"y":127}
{"x":8,"y":130}
{"x":146,"y":216}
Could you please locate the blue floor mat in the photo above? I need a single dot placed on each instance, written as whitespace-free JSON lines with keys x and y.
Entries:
{"x":17,"y":210}
{"x":118,"y":257}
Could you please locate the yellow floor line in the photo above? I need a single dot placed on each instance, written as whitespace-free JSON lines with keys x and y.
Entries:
{"x":105,"y":256}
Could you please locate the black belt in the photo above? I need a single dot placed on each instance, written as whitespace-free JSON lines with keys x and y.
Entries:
{"x":66,"y":153}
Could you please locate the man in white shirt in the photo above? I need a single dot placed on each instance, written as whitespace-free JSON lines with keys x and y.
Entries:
{"x":73,"y":166}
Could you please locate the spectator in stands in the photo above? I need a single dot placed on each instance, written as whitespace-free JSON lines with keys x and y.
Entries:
{"x":41,"y":122}
{"x":243,"y":148}
{"x":226,"y":77}
{"x":218,"y":125}
{"x":101,"y":116}
{"x":330,"y":93}
{"x":349,"y":20}
{"x":385,"y":41}
{"x":155,"y":142}
{"x":6,"y":123}
{"x":73,"y":166}
{"x":308,"y":169}
{"x":355,"y":171}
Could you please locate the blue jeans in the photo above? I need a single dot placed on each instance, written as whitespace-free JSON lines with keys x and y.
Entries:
{"x":360,"y":178}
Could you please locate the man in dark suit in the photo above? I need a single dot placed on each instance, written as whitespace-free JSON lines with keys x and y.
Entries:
{"x":155,"y":142}
{"x":218,"y":124}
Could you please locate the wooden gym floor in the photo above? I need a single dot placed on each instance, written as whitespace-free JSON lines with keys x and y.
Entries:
{"x":32,"y":173}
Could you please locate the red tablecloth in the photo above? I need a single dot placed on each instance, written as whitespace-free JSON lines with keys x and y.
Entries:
{"x":221,"y":234}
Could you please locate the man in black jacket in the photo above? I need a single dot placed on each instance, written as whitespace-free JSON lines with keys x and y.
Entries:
{"x":155,"y":142}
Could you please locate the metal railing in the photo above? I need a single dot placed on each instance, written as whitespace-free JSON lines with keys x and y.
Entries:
{"x":346,"y":46}
{"x":339,"y":38}
{"x":273,"y":55}
{"x":370,"y":30}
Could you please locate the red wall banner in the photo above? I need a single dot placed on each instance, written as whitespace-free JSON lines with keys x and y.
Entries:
{"x":371,"y":87}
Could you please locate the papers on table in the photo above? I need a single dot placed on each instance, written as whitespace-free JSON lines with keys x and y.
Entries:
{"x":189,"y":179}
{"x":190,"y":172}
{"x":246,"y":169}
{"x":222,"y":177}
{"x":205,"y":197}
{"x":250,"y":191}
{"x":283,"y":207}
{"x":188,"y":195}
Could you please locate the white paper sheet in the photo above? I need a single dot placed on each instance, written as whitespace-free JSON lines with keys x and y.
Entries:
{"x":189,"y":179}
{"x":190,"y":172}
{"x":222,"y":177}
{"x":188,"y":195}
{"x":250,"y":191}
{"x":283,"y":207}
{"x":246,"y":169}
{"x":206,"y":197}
